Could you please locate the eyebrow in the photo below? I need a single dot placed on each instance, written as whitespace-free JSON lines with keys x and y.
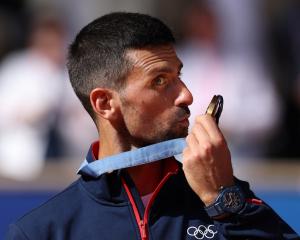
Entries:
{"x":165,"y":69}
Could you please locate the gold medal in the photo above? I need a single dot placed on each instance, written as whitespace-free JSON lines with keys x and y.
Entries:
{"x":215,"y":107}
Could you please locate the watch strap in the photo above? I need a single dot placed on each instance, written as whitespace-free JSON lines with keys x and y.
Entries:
{"x":221,"y":205}
{"x":214,"y":210}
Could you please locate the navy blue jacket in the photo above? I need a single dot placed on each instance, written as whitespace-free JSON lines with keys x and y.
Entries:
{"x":110,"y":208}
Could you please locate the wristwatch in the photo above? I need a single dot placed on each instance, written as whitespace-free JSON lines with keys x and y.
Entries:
{"x":230,"y":200}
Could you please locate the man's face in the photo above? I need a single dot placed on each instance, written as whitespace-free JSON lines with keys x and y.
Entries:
{"x":154,"y":101}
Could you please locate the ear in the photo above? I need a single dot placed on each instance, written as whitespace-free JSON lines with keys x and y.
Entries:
{"x":104,"y":102}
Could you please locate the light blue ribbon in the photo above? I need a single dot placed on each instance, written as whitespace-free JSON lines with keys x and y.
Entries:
{"x":135,"y":157}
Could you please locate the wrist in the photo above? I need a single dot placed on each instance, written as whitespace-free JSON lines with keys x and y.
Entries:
{"x":209,"y":198}
{"x":230,"y":200}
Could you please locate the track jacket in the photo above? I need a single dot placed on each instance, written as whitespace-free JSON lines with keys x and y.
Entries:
{"x":109,"y":208}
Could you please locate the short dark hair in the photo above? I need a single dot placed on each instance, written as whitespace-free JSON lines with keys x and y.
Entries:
{"x":96,"y":58}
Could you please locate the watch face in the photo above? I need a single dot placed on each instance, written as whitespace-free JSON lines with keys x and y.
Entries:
{"x":232,"y":201}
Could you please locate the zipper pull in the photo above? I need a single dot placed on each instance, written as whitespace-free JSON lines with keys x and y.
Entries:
{"x":143,"y":230}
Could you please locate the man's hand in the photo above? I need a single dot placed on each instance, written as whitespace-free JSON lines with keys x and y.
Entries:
{"x":206,"y":159}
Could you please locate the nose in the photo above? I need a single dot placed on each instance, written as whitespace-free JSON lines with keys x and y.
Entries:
{"x":185,"y":97}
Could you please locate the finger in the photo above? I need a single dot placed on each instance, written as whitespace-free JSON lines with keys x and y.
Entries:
{"x":211,"y":127}
{"x":200,"y":133}
{"x":192,"y":146}
{"x":205,"y":147}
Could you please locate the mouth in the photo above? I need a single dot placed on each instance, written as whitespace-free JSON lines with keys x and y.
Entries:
{"x":185,"y":120}
{"x":185,"y":117}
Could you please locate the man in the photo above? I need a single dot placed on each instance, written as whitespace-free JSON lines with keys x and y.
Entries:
{"x":125,"y":71}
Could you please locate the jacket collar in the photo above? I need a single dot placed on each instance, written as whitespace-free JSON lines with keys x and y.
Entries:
{"x":92,"y":154}
{"x":107,"y":188}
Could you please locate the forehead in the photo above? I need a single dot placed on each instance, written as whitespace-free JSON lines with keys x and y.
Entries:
{"x":151,"y":58}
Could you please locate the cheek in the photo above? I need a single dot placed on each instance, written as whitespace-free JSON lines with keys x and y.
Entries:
{"x":146,"y":116}
{"x":147,"y":110}
{"x":155,"y":112}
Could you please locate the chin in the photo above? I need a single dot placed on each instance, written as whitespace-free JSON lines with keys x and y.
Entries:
{"x":181,"y":132}
{"x":175,"y":132}
{"x":178,"y":134}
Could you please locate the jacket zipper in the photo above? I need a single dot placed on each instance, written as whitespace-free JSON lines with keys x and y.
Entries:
{"x":143,"y":223}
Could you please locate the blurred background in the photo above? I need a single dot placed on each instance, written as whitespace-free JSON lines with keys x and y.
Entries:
{"x":248,"y":51}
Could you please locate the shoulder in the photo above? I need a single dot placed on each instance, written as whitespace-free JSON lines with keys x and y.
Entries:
{"x":58,"y":210}
{"x":62,"y":201}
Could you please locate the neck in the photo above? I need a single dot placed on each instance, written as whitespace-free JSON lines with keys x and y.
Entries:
{"x":146,"y":177}
{"x":112,"y":141}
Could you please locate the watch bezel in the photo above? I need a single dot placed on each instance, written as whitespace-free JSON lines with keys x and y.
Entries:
{"x":235,"y":195}
{"x":220,"y":207}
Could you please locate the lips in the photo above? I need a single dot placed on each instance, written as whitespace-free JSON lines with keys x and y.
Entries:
{"x":185,"y":121}
{"x":185,"y":118}
{"x":183,"y":113}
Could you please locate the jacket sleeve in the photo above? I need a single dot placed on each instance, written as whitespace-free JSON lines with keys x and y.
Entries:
{"x":15,"y":233}
{"x":256,"y":220}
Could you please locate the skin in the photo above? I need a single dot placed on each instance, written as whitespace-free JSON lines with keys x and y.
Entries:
{"x":153,"y":107}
